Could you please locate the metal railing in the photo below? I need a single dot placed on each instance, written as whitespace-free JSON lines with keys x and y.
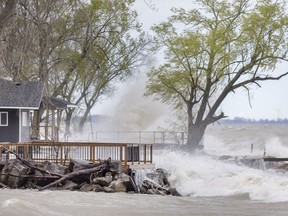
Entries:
{"x":61,"y":152}
{"x":155,"y":137}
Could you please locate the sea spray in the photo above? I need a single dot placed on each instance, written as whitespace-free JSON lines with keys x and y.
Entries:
{"x":200,"y":176}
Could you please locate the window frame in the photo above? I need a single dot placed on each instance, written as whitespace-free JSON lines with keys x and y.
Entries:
{"x":4,"y":125}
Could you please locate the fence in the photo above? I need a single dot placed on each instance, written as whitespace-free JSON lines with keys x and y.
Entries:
{"x":155,"y":137}
{"x":61,"y":152}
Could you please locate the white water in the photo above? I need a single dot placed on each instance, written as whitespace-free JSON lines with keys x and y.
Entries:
{"x":209,"y":186}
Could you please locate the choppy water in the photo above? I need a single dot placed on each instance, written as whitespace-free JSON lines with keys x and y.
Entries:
{"x":209,"y":186}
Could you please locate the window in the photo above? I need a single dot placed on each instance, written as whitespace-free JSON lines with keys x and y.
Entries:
{"x":3,"y":118}
{"x":25,"y":118}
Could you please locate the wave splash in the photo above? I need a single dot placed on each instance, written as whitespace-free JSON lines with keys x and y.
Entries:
{"x":208,"y":176}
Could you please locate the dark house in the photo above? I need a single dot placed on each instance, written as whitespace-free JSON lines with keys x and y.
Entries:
{"x":18,"y":103}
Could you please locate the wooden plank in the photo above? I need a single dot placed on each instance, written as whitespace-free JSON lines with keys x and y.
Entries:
{"x":275,"y":159}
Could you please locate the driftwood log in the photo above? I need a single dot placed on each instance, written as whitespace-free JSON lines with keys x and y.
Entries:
{"x":74,"y":174}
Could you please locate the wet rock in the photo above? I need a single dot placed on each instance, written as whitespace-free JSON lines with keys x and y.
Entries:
{"x":174,"y":192}
{"x":30,"y":185}
{"x":283,"y":167}
{"x":16,"y":168}
{"x":225,"y":157}
{"x":118,"y":186}
{"x":90,"y":187}
{"x":160,"y":176}
{"x":98,"y":188}
{"x":52,"y":167}
{"x":116,"y":166}
{"x":76,"y":164}
{"x":68,"y":185}
{"x":103,"y":181}
{"x":2,"y":165}
{"x":108,"y":190}
{"x":253,"y":162}
{"x":157,"y":183}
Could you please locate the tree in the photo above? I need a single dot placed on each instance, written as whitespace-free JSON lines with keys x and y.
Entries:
{"x":102,"y":52}
{"x":214,"y":50}
{"x":78,"y":48}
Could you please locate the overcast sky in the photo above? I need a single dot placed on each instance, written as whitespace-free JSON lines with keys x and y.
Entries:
{"x":268,"y":102}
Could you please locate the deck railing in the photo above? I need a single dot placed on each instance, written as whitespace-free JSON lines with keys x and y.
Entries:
{"x":61,"y":152}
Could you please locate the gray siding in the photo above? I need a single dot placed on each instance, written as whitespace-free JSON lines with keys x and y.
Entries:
{"x":10,"y":133}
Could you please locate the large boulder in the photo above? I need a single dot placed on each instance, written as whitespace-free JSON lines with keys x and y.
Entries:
{"x":157,"y":183}
{"x":77,"y":164}
{"x":116,"y":166}
{"x":104,"y":181}
{"x":16,"y":169}
{"x":50,"y":168}
{"x":68,"y":185}
{"x":122,"y":183}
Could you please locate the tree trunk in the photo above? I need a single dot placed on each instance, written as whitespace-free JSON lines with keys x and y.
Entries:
{"x":68,"y":122}
{"x":195,"y":135}
{"x":84,"y":119}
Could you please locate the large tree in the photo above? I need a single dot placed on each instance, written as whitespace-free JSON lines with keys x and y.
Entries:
{"x":78,"y":48}
{"x":214,"y":50}
{"x":108,"y":46}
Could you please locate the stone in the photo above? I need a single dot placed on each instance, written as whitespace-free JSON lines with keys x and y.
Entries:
{"x":98,"y":188}
{"x":118,"y":186}
{"x":103,"y":181}
{"x":174,"y":192}
{"x":116,"y":166}
{"x":77,"y":164}
{"x":68,"y":185}
{"x":50,"y":167}
{"x":14,"y":167}
{"x":225,"y":157}
{"x":160,"y":176}
{"x":108,"y":190}
{"x":89,"y":187}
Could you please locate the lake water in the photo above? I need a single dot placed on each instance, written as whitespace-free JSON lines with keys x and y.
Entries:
{"x":208,"y":186}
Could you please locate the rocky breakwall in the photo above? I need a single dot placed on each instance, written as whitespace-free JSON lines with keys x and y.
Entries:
{"x":103,"y":176}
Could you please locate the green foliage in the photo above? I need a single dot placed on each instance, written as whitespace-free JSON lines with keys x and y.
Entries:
{"x":78,"y":48}
{"x":215,"y":49}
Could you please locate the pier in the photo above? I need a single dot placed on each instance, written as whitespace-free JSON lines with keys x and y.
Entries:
{"x":131,"y":155}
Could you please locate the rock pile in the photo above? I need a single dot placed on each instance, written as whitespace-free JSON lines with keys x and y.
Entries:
{"x":105,"y":176}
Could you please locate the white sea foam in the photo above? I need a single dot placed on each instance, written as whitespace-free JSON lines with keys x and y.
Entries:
{"x":207,"y":176}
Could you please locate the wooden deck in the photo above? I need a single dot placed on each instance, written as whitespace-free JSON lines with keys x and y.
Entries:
{"x":60,"y":152}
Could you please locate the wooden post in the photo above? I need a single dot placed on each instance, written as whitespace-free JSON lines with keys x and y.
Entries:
{"x":145,"y":153}
{"x":58,"y":124}
{"x":46,"y":124}
{"x":151,"y":153}
{"x":121,"y":154}
{"x":125,"y":154}
{"x":132,"y":156}
{"x":92,"y":153}
{"x":138,"y":154}
{"x":61,"y":154}
{"x":7,"y":153}
{"x":53,"y":125}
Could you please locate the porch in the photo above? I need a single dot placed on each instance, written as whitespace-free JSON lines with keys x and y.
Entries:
{"x":132,"y":156}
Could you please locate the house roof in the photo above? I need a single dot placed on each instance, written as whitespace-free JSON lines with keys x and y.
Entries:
{"x":57,"y":103}
{"x":20,"y":95}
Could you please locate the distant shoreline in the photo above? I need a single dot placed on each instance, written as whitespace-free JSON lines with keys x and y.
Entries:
{"x":239,"y":120}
